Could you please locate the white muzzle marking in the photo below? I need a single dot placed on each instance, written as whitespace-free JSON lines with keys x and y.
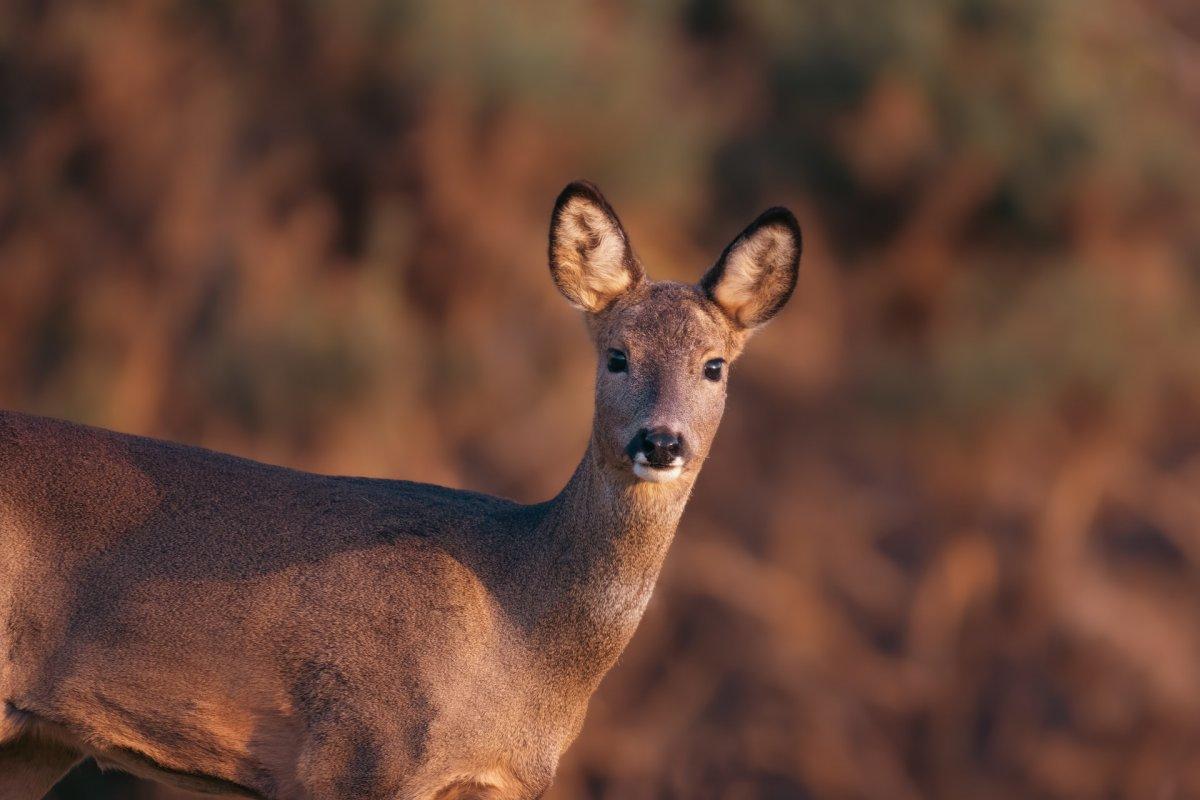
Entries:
{"x":651,"y":474}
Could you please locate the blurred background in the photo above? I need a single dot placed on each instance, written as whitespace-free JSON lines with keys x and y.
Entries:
{"x":948,"y":543}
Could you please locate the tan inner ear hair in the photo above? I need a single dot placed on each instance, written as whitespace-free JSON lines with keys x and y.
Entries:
{"x":755,"y":274}
{"x":590,"y":254}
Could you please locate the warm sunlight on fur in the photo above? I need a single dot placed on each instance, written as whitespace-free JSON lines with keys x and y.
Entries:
{"x":590,"y":253}
{"x":757,"y":270}
{"x":240,"y":628}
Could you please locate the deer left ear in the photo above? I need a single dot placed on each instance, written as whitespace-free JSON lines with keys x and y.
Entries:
{"x":590,"y":258}
{"x":756,"y":274}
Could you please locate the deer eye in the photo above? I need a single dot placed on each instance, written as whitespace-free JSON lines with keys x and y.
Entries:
{"x":714,"y":368}
{"x":617,"y":361}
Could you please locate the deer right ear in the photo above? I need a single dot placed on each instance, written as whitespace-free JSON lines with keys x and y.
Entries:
{"x":590,"y":258}
{"x":756,"y":274}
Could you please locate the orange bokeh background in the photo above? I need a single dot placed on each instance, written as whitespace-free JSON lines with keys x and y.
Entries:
{"x":948,"y":542}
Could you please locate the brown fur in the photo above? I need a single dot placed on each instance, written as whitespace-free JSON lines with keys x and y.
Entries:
{"x":234,"y":627}
{"x":590,"y":258}
{"x":757,"y":273}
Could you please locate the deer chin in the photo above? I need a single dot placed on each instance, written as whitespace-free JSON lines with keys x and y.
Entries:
{"x":652,"y":474}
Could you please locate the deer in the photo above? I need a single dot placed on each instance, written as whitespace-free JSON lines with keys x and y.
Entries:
{"x":235,"y":628}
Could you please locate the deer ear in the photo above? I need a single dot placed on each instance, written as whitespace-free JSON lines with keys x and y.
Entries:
{"x":756,"y":274}
{"x":590,"y":258}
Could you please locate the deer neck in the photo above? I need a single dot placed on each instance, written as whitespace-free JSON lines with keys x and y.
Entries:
{"x":605,"y":538}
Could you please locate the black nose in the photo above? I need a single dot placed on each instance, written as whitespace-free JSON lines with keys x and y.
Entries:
{"x":660,"y":446}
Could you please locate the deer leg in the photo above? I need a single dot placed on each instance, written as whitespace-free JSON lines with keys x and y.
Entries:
{"x":29,"y":768}
{"x":468,"y":790}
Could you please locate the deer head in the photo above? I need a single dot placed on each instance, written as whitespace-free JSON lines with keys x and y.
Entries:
{"x":663,"y":348}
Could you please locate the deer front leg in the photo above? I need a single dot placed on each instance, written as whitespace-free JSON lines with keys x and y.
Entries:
{"x":30,"y":768}
{"x":468,"y":790}
{"x":472,"y":790}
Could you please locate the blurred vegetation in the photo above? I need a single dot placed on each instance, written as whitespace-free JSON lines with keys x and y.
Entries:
{"x":949,"y":542}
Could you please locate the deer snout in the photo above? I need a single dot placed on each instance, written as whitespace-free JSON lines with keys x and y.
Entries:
{"x":657,"y":454}
{"x":658,"y":447}
{"x":661,"y":447}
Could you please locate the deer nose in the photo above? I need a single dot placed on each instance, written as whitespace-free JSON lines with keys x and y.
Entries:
{"x":661,"y":447}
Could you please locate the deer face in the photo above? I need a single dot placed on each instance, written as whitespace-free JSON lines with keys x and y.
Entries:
{"x":663,"y":348}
